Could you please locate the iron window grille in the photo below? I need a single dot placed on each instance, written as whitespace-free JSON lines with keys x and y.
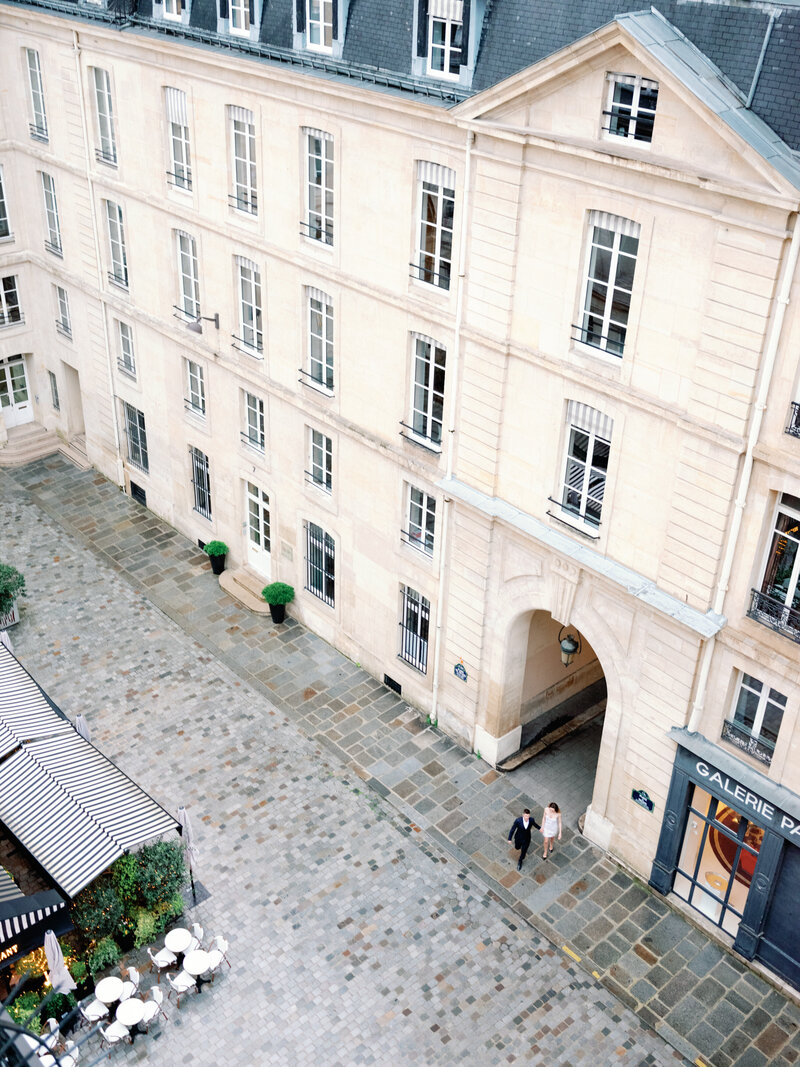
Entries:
{"x":137,"y":438}
{"x":414,"y":626}
{"x":201,"y":482}
{"x":320,"y":564}
{"x":632,"y":107}
{"x":793,"y":425}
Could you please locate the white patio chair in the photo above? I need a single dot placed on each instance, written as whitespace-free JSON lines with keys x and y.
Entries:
{"x":183,"y":983}
{"x":53,"y":1039}
{"x":162,"y":959}
{"x":93,"y":1012}
{"x":193,"y":945}
{"x":157,"y":997}
{"x":114,"y":1033}
{"x":151,"y":1011}
{"x":215,"y":959}
{"x":197,"y":930}
{"x":134,"y":976}
{"x":70,"y":1056}
{"x":220,"y":943}
{"x":128,"y":989}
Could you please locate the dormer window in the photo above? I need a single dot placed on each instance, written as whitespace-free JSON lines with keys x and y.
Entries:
{"x":319,"y":25}
{"x":445,"y":34}
{"x":240,"y":17}
{"x":631,"y":107}
{"x":173,"y":9}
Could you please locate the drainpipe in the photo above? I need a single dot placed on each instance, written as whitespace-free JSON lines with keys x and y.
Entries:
{"x":770,"y":352}
{"x":76,"y":48}
{"x":451,"y":428}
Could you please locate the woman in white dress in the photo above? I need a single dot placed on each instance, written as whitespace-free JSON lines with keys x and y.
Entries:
{"x":551,"y":825}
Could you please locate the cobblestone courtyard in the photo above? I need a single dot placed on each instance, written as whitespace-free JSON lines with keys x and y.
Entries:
{"x":355,"y":861}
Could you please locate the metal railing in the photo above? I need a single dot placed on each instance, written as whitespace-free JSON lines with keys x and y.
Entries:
{"x":120,"y":280}
{"x":744,"y":740}
{"x":439,"y":278}
{"x":247,"y":203}
{"x":774,"y":614}
{"x":38,"y":133}
{"x":109,"y":158}
{"x":588,"y":336}
{"x":793,"y":425}
{"x":63,"y":329}
{"x":316,"y":232}
{"x":181,"y":181}
{"x":56,"y":249}
{"x":13,"y":318}
{"x":424,"y":440}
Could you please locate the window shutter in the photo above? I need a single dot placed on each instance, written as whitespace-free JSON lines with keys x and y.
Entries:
{"x":422,"y":28}
{"x":252,"y":12}
{"x":223,"y":9}
{"x":335,"y":19}
{"x":300,"y":15}
{"x":465,"y":32}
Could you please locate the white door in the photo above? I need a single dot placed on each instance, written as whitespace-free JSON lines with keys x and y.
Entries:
{"x":258,"y":538}
{"x":15,"y":400}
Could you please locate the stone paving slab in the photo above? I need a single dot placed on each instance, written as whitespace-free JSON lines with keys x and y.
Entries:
{"x":650,"y":957}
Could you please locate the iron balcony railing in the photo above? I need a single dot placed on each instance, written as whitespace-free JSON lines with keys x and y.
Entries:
{"x":120,"y":280}
{"x":180,"y":181}
{"x":774,"y":614}
{"x":315,"y":231}
{"x":107,"y":156}
{"x":14,"y":317}
{"x":793,"y":426}
{"x":39,"y":133}
{"x":55,"y":248}
{"x":744,"y":740}
{"x":588,"y":335}
{"x":423,"y":273}
{"x":64,"y":329}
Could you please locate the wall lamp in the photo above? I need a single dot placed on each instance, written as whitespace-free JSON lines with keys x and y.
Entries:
{"x":570,"y":646}
{"x":196,"y":325}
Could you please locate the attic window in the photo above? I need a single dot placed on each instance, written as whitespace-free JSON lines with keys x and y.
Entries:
{"x":319,"y":22}
{"x":445,"y":34}
{"x":631,"y":107}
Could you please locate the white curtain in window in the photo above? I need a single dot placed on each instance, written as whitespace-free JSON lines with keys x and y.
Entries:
{"x":589,"y":419}
{"x":447,"y":9}
{"x":241,"y":114}
{"x":626,"y":227}
{"x":435,"y":174}
{"x":176,"y":106}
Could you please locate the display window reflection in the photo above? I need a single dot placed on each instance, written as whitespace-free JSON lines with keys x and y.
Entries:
{"x":718,"y":860}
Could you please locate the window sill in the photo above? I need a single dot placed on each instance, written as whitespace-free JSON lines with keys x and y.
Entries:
{"x":744,"y":742}
{"x":580,"y":348}
{"x":421,"y":671}
{"x":585,"y":529}
{"x":314,"y":385}
{"x":7,"y":239}
{"x":421,"y":442}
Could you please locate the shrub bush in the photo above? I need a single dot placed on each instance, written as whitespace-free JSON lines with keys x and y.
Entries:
{"x":58,"y":1006}
{"x":12,"y":585}
{"x":22,"y":1007}
{"x":97,"y":910}
{"x":145,"y":932}
{"x":278,"y":593}
{"x":167,"y":911}
{"x":78,"y":970}
{"x":216,"y":548}
{"x":124,"y":877}
{"x":105,"y":953}
{"x":162,"y":872}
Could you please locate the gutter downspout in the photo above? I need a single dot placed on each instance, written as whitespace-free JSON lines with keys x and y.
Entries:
{"x":770,"y":352}
{"x":76,"y":48}
{"x":451,"y":429}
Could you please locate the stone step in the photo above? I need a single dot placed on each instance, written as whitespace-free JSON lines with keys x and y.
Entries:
{"x":28,"y":443}
{"x":244,"y":586}
{"x":75,"y":453}
{"x":524,"y":754}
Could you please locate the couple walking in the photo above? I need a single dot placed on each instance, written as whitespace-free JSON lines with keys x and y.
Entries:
{"x":522,"y":828}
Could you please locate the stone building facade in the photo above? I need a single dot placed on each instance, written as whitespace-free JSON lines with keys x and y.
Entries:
{"x":484,"y":339}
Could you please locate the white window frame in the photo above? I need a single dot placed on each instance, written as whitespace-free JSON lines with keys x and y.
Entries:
{"x":320,"y":460}
{"x":244,"y":198}
{"x":10,"y":308}
{"x":446,"y":15}
{"x":239,"y":18}
{"x":195,"y":401}
{"x":320,"y":340}
{"x":790,"y":600}
{"x":251,"y":336}
{"x":320,"y":564}
{"x":53,"y":242}
{"x":118,"y":274}
{"x":428,"y":384}
{"x":254,"y":433}
{"x":319,"y":25}
{"x":201,"y":482}
{"x":136,"y":436}
{"x":421,"y":520}
{"x":605,"y":313}
{"x":38,"y":127}
{"x":180,"y":151}
{"x":5,"y":224}
{"x":583,"y":478}
{"x":415,"y":615}
{"x":172,"y":9}
{"x":107,"y":150}
{"x":319,"y":186}
{"x":436,"y":225}
{"x":632,"y":121}
{"x":126,"y":361}
{"x":54,"y":398}
{"x":188,"y":275}
{"x":762,"y":747}
{"x":63,"y":321}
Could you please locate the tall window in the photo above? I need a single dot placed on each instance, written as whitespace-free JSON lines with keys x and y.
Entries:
{"x":126,"y":358}
{"x":319,"y":20}
{"x":755,"y":719}
{"x":421,"y":519}
{"x":137,"y":437}
{"x":38,"y":127}
{"x":196,"y":389}
{"x":10,"y":312}
{"x":63,"y":322}
{"x":319,"y":186}
{"x":54,"y":391}
{"x":586,"y":466}
{"x":240,"y":17}
{"x":320,"y":338}
{"x":631,"y":106}
{"x":253,"y":433}
{"x":613,"y":244}
{"x":320,"y":563}
{"x":5,"y":228}
{"x":243,"y":136}
{"x":180,"y":173}
{"x":414,"y":623}
{"x":437,"y":208}
{"x":107,"y":151}
{"x":777,"y":604}
{"x":53,"y":242}
{"x":445,"y":54}
{"x":427,"y":397}
{"x":249,"y":281}
{"x":201,"y":482}
{"x":320,"y":460}
{"x":188,"y":275}
{"x":116,"y":240}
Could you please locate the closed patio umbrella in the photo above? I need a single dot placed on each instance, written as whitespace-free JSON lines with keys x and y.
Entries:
{"x":60,"y":978}
{"x":188,"y":843}
{"x":82,"y":727}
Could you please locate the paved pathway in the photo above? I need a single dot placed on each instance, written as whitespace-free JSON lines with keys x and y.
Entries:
{"x":356,"y":858}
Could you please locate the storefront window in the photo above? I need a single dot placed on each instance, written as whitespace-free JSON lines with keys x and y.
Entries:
{"x":718,"y":859}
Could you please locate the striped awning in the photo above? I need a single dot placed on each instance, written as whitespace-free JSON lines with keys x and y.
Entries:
{"x":72,"y":808}
{"x":23,"y":920}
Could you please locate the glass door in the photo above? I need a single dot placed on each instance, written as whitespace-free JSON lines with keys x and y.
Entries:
{"x":258,"y":532}
{"x":15,"y":401}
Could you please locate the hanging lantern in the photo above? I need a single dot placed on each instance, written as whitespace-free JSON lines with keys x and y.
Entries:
{"x":570,"y":646}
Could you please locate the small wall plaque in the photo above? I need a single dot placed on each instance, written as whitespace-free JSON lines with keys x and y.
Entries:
{"x":460,"y":671}
{"x":642,"y":799}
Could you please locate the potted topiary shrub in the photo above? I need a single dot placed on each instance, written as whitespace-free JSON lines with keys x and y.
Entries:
{"x":216,"y":552}
{"x":12,"y":585}
{"x":278,"y":595}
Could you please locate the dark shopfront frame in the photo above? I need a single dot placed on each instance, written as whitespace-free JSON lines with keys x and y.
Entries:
{"x":768,"y":922}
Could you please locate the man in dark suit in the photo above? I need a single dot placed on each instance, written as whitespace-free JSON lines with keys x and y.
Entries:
{"x":521,"y":830}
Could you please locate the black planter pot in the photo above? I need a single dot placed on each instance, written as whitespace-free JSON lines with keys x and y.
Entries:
{"x":217,"y":564}
{"x":278,"y":612}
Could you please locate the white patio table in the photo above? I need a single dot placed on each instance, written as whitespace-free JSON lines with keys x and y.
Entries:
{"x":178,"y":940}
{"x":108,"y":989}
